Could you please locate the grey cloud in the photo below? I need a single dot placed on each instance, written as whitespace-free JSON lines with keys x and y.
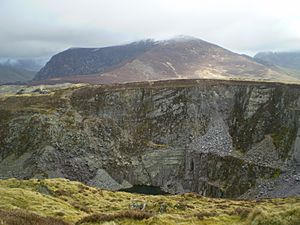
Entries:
{"x":33,"y":28}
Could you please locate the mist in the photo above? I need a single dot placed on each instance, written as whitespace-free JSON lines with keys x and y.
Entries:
{"x":34,"y":29}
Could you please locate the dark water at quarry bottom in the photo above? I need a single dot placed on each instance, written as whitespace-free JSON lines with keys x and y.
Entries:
{"x":147,"y":190}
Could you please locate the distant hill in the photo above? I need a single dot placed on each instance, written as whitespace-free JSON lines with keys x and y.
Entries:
{"x":11,"y":74}
{"x":287,"y":61}
{"x":34,"y":64}
{"x":84,"y":61}
{"x":19,"y":70}
{"x":177,"y":58}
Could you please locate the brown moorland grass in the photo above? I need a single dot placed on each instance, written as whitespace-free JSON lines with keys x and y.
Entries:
{"x":128,"y":214}
{"x":76,"y":203}
{"x":20,"y":217}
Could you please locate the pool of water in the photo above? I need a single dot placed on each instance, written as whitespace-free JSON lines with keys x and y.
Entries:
{"x":147,"y":190}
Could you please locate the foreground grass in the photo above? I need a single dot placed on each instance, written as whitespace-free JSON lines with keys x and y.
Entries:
{"x":60,"y":201}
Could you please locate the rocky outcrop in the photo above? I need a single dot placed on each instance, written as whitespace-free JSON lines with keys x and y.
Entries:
{"x":217,"y":138}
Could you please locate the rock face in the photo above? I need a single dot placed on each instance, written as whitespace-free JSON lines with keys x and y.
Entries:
{"x":217,"y":138}
{"x":178,"y":58}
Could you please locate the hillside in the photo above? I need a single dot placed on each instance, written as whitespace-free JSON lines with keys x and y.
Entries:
{"x":83,"y":61}
{"x":287,"y":61}
{"x":182,"y":57}
{"x":11,"y":74}
{"x":62,"y":202}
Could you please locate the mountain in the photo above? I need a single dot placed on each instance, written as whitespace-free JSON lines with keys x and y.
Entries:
{"x":288,"y":61}
{"x":12,"y":74}
{"x":31,"y":64}
{"x":83,"y":61}
{"x":181,"y":57}
{"x":19,"y":70}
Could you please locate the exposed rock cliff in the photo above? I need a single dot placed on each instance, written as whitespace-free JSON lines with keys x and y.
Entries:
{"x":217,"y":138}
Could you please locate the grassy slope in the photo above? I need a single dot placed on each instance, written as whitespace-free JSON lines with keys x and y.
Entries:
{"x":291,"y":72}
{"x":10,"y":74}
{"x":73,"y":202}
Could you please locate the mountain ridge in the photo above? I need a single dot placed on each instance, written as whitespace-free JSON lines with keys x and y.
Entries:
{"x":12,"y":74}
{"x":177,"y":58}
{"x":16,"y":71}
{"x":92,"y":59}
{"x":289,"y":62}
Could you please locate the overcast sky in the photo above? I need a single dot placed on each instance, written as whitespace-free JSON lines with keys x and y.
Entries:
{"x":36,"y":28}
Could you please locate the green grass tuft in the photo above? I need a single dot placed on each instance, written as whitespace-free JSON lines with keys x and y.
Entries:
{"x":75,"y":203}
